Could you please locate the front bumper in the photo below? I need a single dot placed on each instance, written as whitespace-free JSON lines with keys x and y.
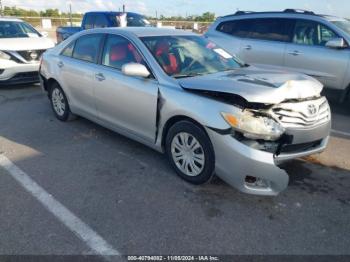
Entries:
{"x":236,"y":161}
{"x":12,"y":73}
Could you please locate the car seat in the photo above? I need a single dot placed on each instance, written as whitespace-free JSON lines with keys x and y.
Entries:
{"x":120,"y":55}
{"x":167,"y":60}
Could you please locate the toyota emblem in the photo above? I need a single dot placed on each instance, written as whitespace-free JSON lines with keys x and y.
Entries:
{"x":312,"y":109}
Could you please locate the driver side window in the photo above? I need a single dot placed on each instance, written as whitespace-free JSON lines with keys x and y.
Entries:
{"x":119,"y":51}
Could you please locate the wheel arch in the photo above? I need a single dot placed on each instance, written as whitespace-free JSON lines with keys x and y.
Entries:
{"x":48,"y":83}
{"x":175,"y":119}
{"x":345,"y":95}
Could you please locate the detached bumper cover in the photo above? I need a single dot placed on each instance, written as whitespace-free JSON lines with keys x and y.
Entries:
{"x":235,"y":161}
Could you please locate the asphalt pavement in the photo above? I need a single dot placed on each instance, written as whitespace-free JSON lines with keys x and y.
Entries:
{"x":125,"y":195}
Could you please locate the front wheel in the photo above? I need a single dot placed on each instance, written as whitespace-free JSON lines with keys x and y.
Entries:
{"x":59,"y":103}
{"x":190,"y":152}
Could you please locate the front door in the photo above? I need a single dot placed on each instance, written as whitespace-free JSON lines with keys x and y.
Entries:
{"x":124,"y":102}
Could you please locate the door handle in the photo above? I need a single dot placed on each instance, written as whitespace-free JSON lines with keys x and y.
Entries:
{"x":60,"y":64}
{"x":295,"y":53}
{"x":248,"y":47}
{"x":100,"y":77}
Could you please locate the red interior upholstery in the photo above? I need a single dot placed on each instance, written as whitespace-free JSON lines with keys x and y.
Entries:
{"x":118,"y":52}
{"x":168,"y":60}
{"x":137,"y":56}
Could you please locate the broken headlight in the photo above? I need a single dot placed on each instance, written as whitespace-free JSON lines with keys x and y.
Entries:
{"x":254,"y":126}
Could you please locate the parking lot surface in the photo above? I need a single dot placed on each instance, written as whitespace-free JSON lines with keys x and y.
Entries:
{"x":129,"y":196}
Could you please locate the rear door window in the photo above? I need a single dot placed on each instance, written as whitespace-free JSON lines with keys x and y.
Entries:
{"x":271,"y":29}
{"x":239,"y":28}
{"x":87,"y":48}
{"x":68,"y":51}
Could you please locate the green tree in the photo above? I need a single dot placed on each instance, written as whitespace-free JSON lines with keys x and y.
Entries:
{"x":206,"y":17}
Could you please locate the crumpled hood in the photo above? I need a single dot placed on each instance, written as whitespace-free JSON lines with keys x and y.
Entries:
{"x":25,"y":43}
{"x":257,"y":84}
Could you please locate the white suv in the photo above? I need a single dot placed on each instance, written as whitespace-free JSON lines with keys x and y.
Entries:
{"x":21,"y":47}
{"x":297,"y":40}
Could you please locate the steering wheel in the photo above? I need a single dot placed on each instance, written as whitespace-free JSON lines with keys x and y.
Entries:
{"x":188,"y":68}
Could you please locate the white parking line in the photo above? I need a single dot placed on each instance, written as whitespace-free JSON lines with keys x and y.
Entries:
{"x":76,"y":225}
{"x":336,"y":132}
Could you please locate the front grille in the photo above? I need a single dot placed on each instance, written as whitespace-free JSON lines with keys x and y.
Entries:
{"x":31,"y":55}
{"x":303,"y":114}
{"x":27,"y":75}
{"x":296,"y":148}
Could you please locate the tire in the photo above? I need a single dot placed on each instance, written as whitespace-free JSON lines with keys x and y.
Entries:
{"x":59,"y":103}
{"x":196,"y":165}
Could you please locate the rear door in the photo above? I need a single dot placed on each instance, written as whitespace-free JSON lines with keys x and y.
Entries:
{"x":308,"y":54}
{"x":77,"y":70}
{"x":265,"y":40}
{"x":123,"y":102}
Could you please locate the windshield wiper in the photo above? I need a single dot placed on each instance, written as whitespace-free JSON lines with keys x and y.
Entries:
{"x":187,"y":75}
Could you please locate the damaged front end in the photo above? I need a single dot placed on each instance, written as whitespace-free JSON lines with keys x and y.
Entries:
{"x":294,"y":126}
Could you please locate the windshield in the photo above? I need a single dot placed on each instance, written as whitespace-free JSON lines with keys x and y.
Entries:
{"x":186,"y":56}
{"x":343,"y":24}
{"x":13,"y":29}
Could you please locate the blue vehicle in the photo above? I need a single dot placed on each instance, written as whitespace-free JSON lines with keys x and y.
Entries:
{"x":101,"y":19}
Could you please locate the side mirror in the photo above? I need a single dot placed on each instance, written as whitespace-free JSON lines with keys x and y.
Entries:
{"x":44,"y":34}
{"x":134,"y":69}
{"x":336,"y":43}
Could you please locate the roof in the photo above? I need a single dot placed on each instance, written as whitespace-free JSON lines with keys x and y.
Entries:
{"x":13,"y":19}
{"x":111,"y":12}
{"x":333,"y":18}
{"x":149,"y":31}
{"x":290,"y":12}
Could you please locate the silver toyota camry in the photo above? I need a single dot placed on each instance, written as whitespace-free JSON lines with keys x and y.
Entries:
{"x":183,"y":95}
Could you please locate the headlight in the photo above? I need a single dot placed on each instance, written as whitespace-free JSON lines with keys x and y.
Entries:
{"x":4,"y":56}
{"x":255,"y":126}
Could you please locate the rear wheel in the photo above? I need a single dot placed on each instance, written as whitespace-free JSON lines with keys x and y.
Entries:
{"x":59,"y":103}
{"x":190,"y":152}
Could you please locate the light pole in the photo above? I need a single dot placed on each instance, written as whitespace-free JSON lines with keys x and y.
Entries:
{"x":1,"y":10}
{"x":70,"y":12}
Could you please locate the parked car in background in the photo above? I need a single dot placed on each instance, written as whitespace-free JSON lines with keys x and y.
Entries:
{"x":179,"y":93}
{"x":317,"y":45}
{"x":100,"y":20}
{"x":21,"y":47}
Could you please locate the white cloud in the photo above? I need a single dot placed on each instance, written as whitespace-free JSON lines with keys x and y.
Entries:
{"x":80,"y":5}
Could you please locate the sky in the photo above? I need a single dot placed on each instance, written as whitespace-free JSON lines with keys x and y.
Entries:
{"x":189,"y":7}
